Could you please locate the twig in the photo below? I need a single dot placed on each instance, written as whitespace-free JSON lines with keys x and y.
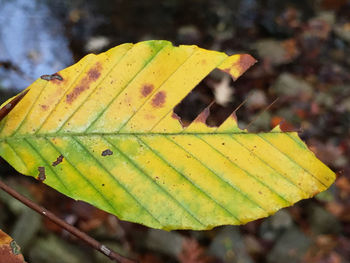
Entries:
{"x":71,"y":229}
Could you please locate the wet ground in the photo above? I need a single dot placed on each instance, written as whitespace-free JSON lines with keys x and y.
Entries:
{"x":303,"y":51}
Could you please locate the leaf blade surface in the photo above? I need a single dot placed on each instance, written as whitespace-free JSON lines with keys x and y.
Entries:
{"x":106,"y":133}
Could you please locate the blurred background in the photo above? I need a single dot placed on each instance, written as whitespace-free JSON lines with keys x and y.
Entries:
{"x":303,"y":52}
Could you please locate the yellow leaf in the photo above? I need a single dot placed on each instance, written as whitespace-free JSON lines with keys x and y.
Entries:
{"x":104,"y":131}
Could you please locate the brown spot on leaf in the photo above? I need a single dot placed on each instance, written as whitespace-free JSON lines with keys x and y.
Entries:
{"x":106,"y":152}
{"x":227,"y":70}
{"x":42,"y":175}
{"x":149,"y":116}
{"x":146,"y":89}
{"x":7,"y":254}
{"x":159,"y":99}
{"x":245,"y":62}
{"x":234,"y":116}
{"x":58,"y":160}
{"x":55,"y":76}
{"x":44,"y":107}
{"x":92,"y":75}
{"x":177,"y":117}
{"x":285,"y":126}
{"x":9,"y":106}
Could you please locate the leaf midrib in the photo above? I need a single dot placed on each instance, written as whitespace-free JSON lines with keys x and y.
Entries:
{"x":99,"y":134}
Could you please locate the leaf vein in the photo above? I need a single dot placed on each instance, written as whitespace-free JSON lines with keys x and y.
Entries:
{"x":264,"y":162}
{"x":291,"y":159}
{"x":115,"y":179}
{"x":84,"y":178}
{"x":92,"y":91}
{"x":149,"y":98}
{"x":246,"y":172}
{"x":148,"y":178}
{"x":179,"y":146}
{"x":62,"y":97}
{"x":14,"y":150}
{"x":190,"y":181}
{"x":234,"y":187}
{"x":92,"y":134}
{"x":47,"y":164}
{"x":125,"y":87}
{"x":29,"y":110}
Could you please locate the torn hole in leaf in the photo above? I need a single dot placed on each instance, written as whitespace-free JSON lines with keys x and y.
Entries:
{"x":216,"y":86}
{"x":220,"y":97}
{"x":231,"y":99}
{"x":194,"y":103}
{"x":250,"y":104}
{"x":220,"y":94}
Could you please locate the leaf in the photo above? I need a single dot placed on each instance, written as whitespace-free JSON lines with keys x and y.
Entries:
{"x":104,"y":131}
{"x":9,"y":250}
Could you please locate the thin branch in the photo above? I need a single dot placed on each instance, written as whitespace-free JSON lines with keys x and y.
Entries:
{"x":71,"y":229}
